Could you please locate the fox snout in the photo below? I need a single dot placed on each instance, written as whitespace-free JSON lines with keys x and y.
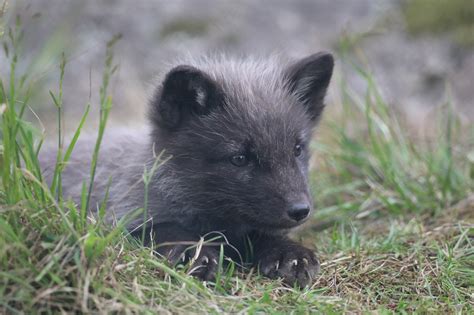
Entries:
{"x":299,"y":211}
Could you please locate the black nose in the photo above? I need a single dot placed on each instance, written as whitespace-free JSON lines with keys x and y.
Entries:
{"x":298,"y":211}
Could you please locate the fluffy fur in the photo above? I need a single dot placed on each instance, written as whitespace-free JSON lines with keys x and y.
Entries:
{"x":208,"y":116}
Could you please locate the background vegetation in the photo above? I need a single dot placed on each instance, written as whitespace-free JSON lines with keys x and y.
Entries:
{"x":447,"y":17}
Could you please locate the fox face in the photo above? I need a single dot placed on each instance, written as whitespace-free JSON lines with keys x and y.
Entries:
{"x":237,"y":134}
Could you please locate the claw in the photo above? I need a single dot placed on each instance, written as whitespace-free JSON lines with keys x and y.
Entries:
{"x":205,"y":259}
{"x":277,"y":265}
{"x":305,"y":261}
{"x":215,"y":261}
{"x":294,"y":262}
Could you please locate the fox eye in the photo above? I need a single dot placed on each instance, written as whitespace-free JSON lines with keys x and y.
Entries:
{"x":239,"y":160}
{"x":297,"y":150}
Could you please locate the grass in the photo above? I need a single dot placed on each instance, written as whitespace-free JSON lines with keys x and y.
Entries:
{"x":394,"y":229}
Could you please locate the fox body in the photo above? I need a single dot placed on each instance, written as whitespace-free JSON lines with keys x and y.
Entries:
{"x":235,"y":136}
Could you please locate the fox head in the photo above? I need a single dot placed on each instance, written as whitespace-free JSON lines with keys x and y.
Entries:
{"x":238,"y":134}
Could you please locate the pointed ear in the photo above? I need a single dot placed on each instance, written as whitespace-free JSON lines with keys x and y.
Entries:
{"x":309,"y":79}
{"x":186,"y":91}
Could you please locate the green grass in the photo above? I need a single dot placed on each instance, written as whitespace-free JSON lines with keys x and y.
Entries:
{"x":394,"y":229}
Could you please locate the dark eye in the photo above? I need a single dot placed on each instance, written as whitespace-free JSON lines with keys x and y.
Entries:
{"x":239,"y":160}
{"x":298,"y":149}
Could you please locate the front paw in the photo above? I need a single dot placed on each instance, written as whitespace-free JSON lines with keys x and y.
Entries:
{"x":203,"y":261}
{"x":204,"y":264}
{"x":293,"y":263}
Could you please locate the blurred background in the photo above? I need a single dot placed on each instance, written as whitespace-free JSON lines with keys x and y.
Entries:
{"x":421,"y":52}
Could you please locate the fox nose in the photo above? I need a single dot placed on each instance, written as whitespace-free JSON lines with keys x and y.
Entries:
{"x":298,"y":211}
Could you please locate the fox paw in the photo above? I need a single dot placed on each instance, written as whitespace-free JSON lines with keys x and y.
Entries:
{"x":293,"y":263}
{"x":203,"y":265}
{"x":206,"y":264}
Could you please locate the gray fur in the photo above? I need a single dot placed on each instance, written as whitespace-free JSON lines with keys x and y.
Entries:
{"x":201,"y":115}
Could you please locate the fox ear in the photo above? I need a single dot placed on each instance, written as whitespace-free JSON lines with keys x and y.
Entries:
{"x":186,"y":91}
{"x":309,"y":79}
